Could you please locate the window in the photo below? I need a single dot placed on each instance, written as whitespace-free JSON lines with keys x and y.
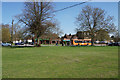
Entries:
{"x":53,"y":41}
{"x":76,"y":41}
{"x":80,"y":42}
{"x":88,"y":41}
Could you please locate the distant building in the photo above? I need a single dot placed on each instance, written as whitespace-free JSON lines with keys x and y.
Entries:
{"x":83,"y":34}
{"x":50,"y":39}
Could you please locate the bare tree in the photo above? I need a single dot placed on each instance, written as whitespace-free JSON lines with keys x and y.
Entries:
{"x":16,"y":29}
{"x":22,"y":33}
{"x":93,"y":19}
{"x":55,"y":29}
{"x":37,"y":17}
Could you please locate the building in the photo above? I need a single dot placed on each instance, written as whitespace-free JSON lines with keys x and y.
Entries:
{"x":83,"y":34}
{"x":49,"y":39}
{"x":67,"y":39}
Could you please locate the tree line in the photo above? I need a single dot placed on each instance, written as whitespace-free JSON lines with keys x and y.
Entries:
{"x":38,"y":19}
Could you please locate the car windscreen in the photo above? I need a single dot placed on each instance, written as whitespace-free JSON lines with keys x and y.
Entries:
{"x":76,"y":41}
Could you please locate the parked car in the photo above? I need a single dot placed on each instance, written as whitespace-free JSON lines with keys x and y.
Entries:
{"x":22,"y":43}
{"x":19,"y":43}
{"x":114,"y":44}
{"x":6,"y":44}
{"x":102,"y":42}
{"x":110,"y":44}
{"x":117,"y":44}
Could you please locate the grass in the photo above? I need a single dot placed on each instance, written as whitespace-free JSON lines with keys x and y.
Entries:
{"x":60,"y":62}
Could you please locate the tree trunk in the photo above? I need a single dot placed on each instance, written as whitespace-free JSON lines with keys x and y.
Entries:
{"x":92,"y":42}
{"x":92,"y":39}
{"x":38,"y":42}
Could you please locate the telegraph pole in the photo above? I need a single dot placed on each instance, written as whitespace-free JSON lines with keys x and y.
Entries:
{"x":12,"y":33}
